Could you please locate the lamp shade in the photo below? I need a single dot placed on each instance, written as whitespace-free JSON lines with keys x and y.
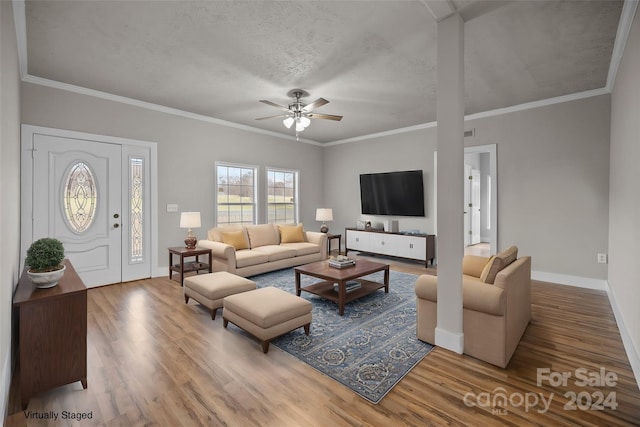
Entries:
{"x":324,"y":214}
{"x":190,"y":220}
{"x":288,"y":122}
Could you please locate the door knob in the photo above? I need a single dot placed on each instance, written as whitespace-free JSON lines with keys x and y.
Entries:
{"x":116,"y":216}
{"x":116,"y":225}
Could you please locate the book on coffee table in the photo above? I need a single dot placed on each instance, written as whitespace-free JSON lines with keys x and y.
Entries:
{"x":350,"y":286}
{"x":342,"y":263}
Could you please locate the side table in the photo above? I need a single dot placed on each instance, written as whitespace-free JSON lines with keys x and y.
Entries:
{"x":52,"y":328}
{"x":330,"y":237}
{"x":184,"y":267}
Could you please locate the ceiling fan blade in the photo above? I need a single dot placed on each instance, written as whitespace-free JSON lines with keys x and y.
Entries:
{"x":315,"y":104}
{"x":273,"y":104}
{"x":273,"y":117}
{"x":324,"y":116}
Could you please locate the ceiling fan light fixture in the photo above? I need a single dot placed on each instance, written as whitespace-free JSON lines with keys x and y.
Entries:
{"x":298,"y":112}
{"x":288,"y":122}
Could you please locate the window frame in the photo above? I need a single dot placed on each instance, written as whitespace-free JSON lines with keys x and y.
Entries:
{"x":254,"y":204}
{"x":296,"y":195}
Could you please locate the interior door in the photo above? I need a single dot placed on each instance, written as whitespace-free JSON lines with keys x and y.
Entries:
{"x":77,"y":199}
{"x":467,"y":204}
{"x":475,"y":206}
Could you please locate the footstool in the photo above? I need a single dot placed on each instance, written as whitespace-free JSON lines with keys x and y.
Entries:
{"x":210,"y":289}
{"x":267,"y":313}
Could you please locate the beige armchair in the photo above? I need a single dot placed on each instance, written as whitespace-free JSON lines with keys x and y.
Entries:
{"x":496,"y":305}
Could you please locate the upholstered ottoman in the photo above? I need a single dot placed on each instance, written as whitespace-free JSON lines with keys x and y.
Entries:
{"x":267,"y":313}
{"x":210,"y":289}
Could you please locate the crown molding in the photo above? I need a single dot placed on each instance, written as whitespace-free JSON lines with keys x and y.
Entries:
{"x":624,"y":27}
{"x":20,"y":21}
{"x":156,"y":107}
{"x":381,"y":134}
{"x":482,"y":115}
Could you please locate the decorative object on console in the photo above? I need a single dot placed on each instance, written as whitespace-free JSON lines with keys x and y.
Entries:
{"x":190,"y":220}
{"x":324,"y":215}
{"x":44,"y":258}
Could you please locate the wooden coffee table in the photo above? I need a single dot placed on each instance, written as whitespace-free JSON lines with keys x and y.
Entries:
{"x":341,"y":276}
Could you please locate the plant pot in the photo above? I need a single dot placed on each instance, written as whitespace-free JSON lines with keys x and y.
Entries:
{"x":47,"y":279}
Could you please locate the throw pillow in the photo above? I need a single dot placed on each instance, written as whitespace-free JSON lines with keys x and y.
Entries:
{"x":491,"y":269}
{"x":497,"y":263}
{"x":291,"y":233}
{"x":235,"y":239}
{"x":509,"y":255}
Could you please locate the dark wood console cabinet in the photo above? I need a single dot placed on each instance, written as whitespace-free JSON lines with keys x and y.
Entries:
{"x":411,"y":246}
{"x":52,"y":334}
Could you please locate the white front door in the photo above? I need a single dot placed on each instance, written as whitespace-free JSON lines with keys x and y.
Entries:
{"x":94,"y":193}
{"x":77,"y":199}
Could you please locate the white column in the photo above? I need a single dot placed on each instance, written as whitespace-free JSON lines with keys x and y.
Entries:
{"x":450,"y":117}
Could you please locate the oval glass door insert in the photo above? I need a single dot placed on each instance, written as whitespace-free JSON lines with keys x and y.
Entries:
{"x":80,"y":197}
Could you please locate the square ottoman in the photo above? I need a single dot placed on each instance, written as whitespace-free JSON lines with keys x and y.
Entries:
{"x":210,"y":289}
{"x":267,"y":313}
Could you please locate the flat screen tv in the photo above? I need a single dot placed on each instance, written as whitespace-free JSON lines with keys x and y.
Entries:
{"x":392,"y":193}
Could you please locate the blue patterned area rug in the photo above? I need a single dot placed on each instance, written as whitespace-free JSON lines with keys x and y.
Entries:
{"x":371,"y":347}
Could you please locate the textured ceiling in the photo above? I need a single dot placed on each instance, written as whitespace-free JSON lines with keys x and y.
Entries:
{"x":375,"y":61}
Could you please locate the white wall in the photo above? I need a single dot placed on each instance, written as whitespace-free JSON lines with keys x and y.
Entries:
{"x":187,"y":152}
{"x":624,"y":201}
{"x":9,"y":190}
{"x":553,"y":180}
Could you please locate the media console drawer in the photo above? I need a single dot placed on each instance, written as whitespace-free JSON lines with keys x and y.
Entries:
{"x":411,"y":246}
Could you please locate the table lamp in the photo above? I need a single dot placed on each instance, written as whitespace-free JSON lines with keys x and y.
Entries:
{"x":190,"y":220}
{"x":324,"y":214}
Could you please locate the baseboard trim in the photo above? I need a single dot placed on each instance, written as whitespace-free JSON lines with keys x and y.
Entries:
{"x":449,"y":340}
{"x":632,"y":353}
{"x":565,"y":279}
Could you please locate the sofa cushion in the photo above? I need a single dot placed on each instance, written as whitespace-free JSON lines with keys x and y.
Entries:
{"x":291,"y":233}
{"x":215,"y":234}
{"x":247,"y":257}
{"x":472,"y":265}
{"x":275,"y":252}
{"x":497,"y":263}
{"x":303,"y":248}
{"x":262,"y":235}
{"x":235,"y":238}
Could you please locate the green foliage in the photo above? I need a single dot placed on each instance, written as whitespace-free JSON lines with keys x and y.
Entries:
{"x":45,"y":255}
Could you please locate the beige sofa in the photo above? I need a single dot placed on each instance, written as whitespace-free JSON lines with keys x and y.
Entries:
{"x":256,"y":249}
{"x":496,"y":305}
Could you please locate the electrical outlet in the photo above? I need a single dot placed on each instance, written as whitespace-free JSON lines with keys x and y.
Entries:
{"x":171,"y":207}
{"x":602,"y":258}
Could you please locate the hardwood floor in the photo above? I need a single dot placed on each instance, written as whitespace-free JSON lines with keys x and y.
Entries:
{"x":153,"y":360}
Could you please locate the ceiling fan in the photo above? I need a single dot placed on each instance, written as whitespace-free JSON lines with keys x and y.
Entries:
{"x":298,"y":112}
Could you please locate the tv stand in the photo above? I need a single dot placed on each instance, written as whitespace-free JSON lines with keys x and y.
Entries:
{"x":420,"y":247}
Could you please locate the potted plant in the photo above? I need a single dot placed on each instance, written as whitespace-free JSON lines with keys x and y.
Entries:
{"x":44,"y":258}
